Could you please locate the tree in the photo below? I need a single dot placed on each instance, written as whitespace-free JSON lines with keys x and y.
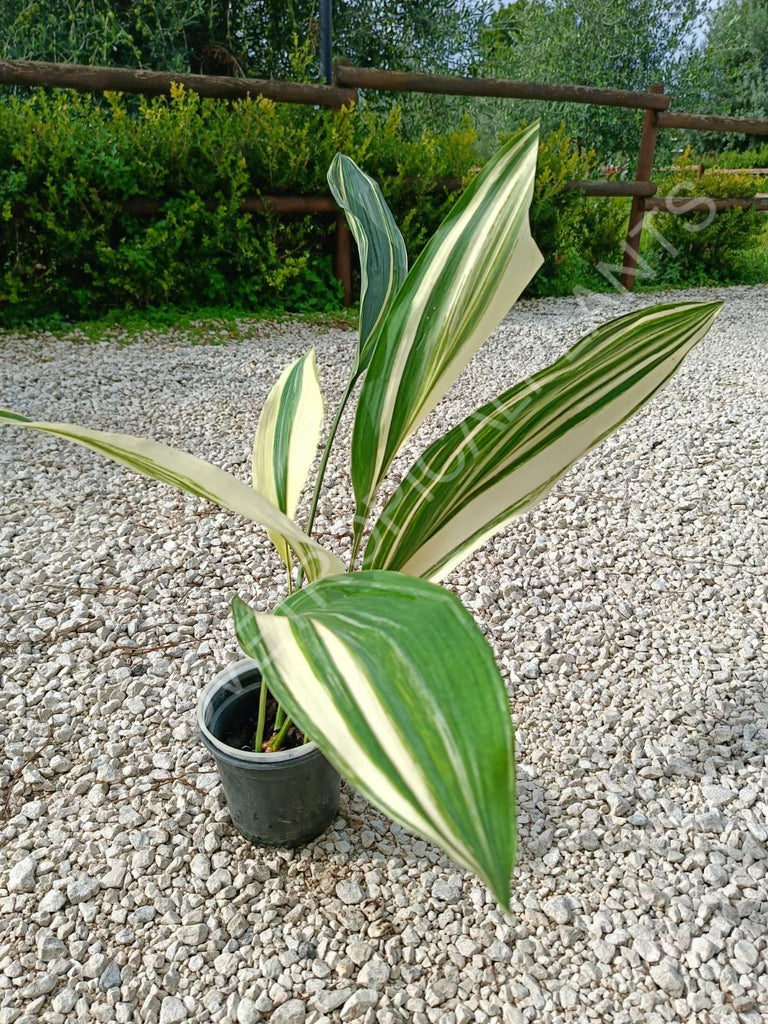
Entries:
{"x":590,"y":42}
{"x":261,"y":38}
{"x":731,"y":69}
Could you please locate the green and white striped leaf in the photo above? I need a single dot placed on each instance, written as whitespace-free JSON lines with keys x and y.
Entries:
{"x":396,"y":684}
{"x":188,"y":473}
{"x":286,"y":439}
{"x":506,"y":456}
{"x":383,"y":258}
{"x":470,"y":273}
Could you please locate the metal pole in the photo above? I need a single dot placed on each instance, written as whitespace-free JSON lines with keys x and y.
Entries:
{"x":326,"y":40}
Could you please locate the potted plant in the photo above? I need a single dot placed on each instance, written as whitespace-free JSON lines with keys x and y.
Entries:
{"x":280,"y":790}
{"x":383,"y":669}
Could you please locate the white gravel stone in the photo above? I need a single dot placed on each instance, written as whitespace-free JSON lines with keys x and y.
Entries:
{"x":21,"y":877}
{"x":648,"y":950}
{"x":80,"y":890}
{"x":746,"y":951}
{"x":374,"y":974}
{"x":704,"y":948}
{"x":110,"y":977}
{"x":194,"y":934}
{"x":668,"y":978}
{"x":559,"y":909}
{"x":627,"y":613}
{"x":439,"y":990}
{"x":358,"y":1004}
{"x":717,"y":796}
{"x":359,"y":952}
{"x":200,"y":866}
{"x":350,"y":893}
{"x":172,"y":1010}
{"x":53,"y":900}
{"x":446,"y":891}
{"x":115,"y":877}
{"x":64,"y":1000}
{"x":329,"y":1000}
{"x":40,"y":985}
{"x":568,"y":997}
{"x":292,"y":1012}
{"x":247,"y":1013}
{"x":49,"y":947}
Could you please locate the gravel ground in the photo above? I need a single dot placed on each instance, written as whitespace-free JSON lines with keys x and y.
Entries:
{"x":628,"y":613}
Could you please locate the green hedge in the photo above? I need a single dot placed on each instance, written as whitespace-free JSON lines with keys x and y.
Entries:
{"x":701,"y":248}
{"x":68,"y":250}
{"x":753,"y":156}
{"x":68,"y":160}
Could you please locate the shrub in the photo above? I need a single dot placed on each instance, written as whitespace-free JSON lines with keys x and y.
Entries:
{"x":68,"y":161}
{"x":575,"y":232}
{"x":724,"y":248}
{"x":755,"y":156}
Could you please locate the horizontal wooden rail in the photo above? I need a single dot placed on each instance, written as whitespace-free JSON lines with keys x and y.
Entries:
{"x":138,"y":206}
{"x":406,"y":81}
{"x":712,"y":123}
{"x":158,"y":83}
{"x":613,"y":188}
{"x":698,"y":204}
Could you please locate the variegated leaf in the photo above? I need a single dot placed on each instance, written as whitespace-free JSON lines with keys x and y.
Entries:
{"x":188,"y":473}
{"x":383,"y":259}
{"x":396,"y":684}
{"x":505,"y":457}
{"x":470,"y":273}
{"x":286,"y":439}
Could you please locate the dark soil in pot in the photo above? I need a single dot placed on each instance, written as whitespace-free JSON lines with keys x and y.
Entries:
{"x":236,"y":723}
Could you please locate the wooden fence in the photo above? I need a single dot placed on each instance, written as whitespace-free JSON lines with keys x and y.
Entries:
{"x":657,"y":115}
{"x":348,"y":79}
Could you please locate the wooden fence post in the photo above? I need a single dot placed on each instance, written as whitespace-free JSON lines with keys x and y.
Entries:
{"x":343,"y":260}
{"x":645,"y":158}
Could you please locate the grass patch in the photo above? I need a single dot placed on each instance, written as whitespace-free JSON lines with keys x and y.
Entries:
{"x":205,"y":326}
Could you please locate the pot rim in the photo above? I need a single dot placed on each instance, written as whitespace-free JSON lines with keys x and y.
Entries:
{"x":222,"y":678}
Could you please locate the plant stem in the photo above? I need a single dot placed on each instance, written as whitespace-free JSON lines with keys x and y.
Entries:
{"x":259,"y":740}
{"x":278,"y":738}
{"x":324,"y":462}
{"x":355,"y":549}
{"x":280,"y":713}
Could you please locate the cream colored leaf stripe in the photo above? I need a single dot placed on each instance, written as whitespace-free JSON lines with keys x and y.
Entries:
{"x":196,"y":476}
{"x":287,"y":437}
{"x":457,"y":292}
{"x":506,"y":456}
{"x":383,"y":257}
{"x":395,"y":682}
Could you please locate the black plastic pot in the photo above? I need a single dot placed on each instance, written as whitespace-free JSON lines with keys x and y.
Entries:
{"x":282,"y":799}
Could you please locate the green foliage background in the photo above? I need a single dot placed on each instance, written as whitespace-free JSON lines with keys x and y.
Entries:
{"x":727,"y":248}
{"x":68,"y":161}
{"x":69,"y":250}
{"x":253,"y":37}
